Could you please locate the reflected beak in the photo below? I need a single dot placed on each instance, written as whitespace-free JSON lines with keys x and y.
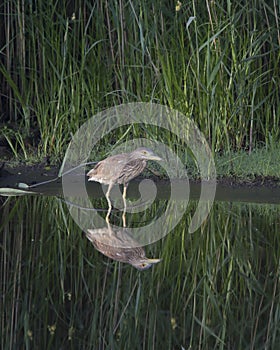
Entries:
{"x":152,"y":261}
{"x":146,"y":263}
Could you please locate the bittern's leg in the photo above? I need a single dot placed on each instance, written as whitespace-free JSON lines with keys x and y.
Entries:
{"x":109,"y":202}
{"x":124,"y":205}
{"x":109,"y":227}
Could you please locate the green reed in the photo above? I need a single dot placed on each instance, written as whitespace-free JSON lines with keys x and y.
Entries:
{"x":62,"y":63}
{"x":214,"y":289}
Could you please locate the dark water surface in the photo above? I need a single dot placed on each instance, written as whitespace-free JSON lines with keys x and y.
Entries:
{"x":217,"y":288}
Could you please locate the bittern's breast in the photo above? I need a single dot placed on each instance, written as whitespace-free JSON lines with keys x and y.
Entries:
{"x":130,"y":170}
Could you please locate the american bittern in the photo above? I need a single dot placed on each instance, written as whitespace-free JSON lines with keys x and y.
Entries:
{"x":120,"y":169}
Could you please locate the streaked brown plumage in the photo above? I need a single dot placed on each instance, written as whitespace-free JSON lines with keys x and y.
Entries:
{"x":120,"y":169}
{"x":120,"y":246}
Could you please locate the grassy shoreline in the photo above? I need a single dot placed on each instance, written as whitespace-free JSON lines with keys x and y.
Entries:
{"x":64,"y":62}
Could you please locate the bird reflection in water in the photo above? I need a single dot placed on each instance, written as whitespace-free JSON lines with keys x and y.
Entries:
{"x":120,"y":169}
{"x":119,"y":245}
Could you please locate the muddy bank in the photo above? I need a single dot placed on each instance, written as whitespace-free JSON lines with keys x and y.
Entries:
{"x":256,"y":189}
{"x":31,"y":174}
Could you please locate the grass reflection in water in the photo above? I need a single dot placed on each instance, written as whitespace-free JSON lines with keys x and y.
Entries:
{"x":216,"y":288}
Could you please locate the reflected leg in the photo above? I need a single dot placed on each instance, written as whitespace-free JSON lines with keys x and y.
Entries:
{"x":124,"y":205}
{"x":109,"y":202}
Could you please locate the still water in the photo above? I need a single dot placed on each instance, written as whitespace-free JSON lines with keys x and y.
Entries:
{"x":216,"y":288}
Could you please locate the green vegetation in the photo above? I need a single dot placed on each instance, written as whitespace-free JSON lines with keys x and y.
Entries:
{"x":62,"y":62}
{"x":260,"y":163}
{"x":215,"y":289}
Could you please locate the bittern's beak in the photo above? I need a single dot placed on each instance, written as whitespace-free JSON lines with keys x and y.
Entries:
{"x":154,"y":157}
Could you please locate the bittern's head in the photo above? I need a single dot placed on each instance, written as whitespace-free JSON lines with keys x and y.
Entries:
{"x":144,"y":153}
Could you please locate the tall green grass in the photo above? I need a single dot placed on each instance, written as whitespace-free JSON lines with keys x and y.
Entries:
{"x":215,"y":289}
{"x":63,"y":62}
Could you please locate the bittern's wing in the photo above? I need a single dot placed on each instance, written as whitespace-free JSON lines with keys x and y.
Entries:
{"x":108,"y":170}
